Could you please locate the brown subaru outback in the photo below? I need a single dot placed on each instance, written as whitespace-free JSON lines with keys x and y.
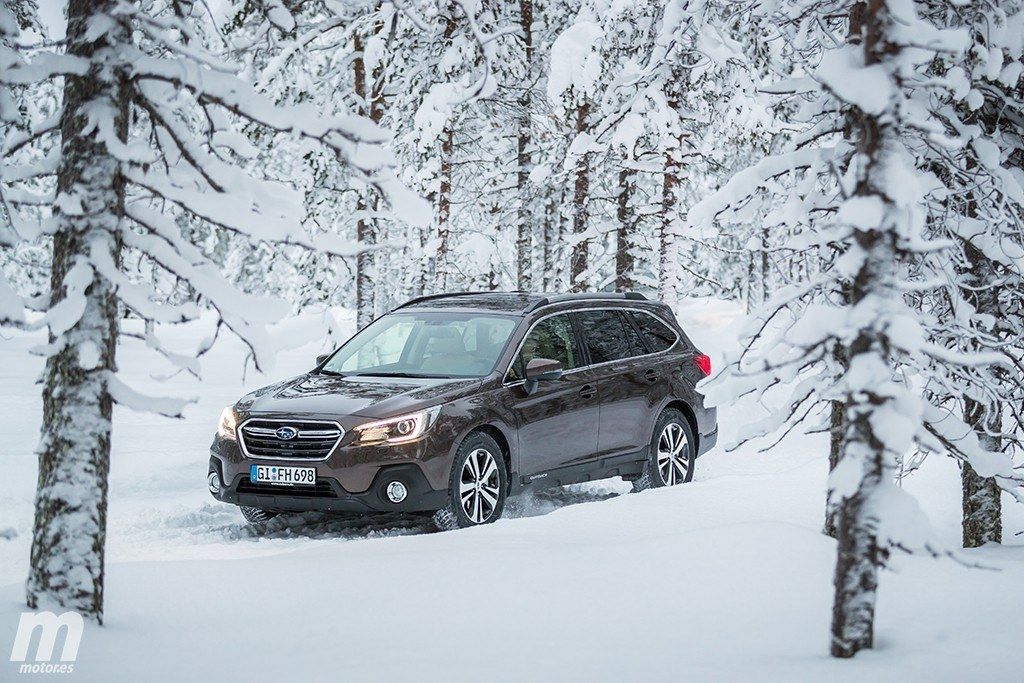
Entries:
{"x":451,"y":403}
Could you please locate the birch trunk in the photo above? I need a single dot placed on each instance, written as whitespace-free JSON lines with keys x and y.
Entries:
{"x":981,"y":503}
{"x":444,"y":209}
{"x":667,"y":280}
{"x":69,"y":535}
{"x":580,"y":209}
{"x":524,"y":141}
{"x":859,"y":556}
{"x":625,"y":235}
{"x":982,"y":507}
{"x":365,"y":233}
{"x":551,"y":235}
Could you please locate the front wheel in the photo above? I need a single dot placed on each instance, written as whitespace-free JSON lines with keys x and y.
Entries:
{"x":671,"y":455}
{"x":477,"y":487}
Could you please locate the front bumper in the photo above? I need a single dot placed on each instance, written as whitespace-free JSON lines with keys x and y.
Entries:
{"x":330,"y":496}
{"x":351,"y":479}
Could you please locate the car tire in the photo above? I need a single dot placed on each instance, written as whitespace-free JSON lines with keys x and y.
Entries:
{"x":257,"y":516}
{"x":476,"y":491}
{"x":672,"y":454}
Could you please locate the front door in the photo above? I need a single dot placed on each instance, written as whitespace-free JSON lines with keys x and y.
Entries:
{"x":557,"y":422}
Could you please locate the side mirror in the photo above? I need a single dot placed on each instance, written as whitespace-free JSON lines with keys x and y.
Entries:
{"x":541,"y":370}
{"x":321,"y":358}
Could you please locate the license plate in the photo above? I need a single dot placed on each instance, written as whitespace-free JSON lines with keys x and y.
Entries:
{"x":285,"y":476}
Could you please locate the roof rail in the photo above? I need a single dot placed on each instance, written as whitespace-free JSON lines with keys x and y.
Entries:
{"x":558,"y":298}
{"x":429,"y":297}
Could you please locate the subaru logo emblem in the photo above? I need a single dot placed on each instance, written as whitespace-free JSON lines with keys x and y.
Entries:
{"x":287,"y":433}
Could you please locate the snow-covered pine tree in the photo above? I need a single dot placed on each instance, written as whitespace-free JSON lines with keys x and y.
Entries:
{"x":150,"y":142}
{"x":855,"y":179}
{"x":982,"y":214}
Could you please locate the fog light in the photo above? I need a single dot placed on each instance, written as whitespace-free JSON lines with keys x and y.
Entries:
{"x":213,"y":482}
{"x":397,"y":492}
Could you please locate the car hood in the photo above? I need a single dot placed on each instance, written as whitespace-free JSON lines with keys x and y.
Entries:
{"x":373,"y":397}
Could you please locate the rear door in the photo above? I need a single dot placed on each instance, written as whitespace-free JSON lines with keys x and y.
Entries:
{"x":557,"y":422}
{"x":629,"y":385}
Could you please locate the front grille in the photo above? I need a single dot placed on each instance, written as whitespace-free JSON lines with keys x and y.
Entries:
{"x":314,"y":440}
{"x":321,"y":490}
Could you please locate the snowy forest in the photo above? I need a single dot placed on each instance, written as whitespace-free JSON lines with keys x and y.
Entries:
{"x":848,"y":173}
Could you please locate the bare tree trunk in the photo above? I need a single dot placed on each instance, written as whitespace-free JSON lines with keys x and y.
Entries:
{"x":837,"y":417}
{"x":625,"y":235}
{"x":524,"y":160}
{"x":982,"y":507}
{"x":552,"y":237}
{"x":69,"y":536}
{"x":444,"y":208}
{"x":667,"y":284}
{"x":371,"y":105}
{"x":859,"y":555}
{"x":580,"y":209}
{"x":764,"y":264}
{"x":836,"y":431}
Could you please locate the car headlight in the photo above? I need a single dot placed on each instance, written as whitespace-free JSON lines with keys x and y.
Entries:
{"x":227,"y":424}
{"x":401,"y":429}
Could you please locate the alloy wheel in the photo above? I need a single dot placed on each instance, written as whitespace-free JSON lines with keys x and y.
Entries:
{"x":673,"y":454}
{"x":479,"y":486}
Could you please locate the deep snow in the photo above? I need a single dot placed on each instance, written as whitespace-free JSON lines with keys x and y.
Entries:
{"x":727,"y":578}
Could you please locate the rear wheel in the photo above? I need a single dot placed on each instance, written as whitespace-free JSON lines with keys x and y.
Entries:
{"x":671,"y":454}
{"x":477,"y":487}
{"x":257,"y":516}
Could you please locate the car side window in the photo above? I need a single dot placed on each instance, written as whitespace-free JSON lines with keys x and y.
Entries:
{"x":658,"y":335}
{"x":636,"y":343}
{"x":605,"y":336}
{"x":550,"y":338}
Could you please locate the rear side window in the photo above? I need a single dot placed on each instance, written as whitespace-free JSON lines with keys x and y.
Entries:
{"x":551,"y":338}
{"x":657,"y":334}
{"x":605,"y":336}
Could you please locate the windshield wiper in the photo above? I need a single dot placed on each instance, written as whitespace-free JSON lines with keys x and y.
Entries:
{"x":332,"y":373}
{"x":408,"y":375}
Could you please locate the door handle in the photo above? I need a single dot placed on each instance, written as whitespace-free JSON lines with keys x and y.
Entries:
{"x":588,"y":391}
{"x":651,"y":376}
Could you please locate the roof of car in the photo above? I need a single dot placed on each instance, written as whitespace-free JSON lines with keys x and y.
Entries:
{"x":512,"y":302}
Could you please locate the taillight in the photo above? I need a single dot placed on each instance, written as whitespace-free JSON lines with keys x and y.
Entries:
{"x":703,"y":362}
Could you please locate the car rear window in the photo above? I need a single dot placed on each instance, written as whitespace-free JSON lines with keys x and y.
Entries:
{"x":658,"y":335}
{"x":604,"y":333}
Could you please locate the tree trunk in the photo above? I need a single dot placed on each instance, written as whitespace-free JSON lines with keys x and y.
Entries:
{"x":859,"y":555}
{"x":625,"y":235}
{"x":982,"y":507}
{"x":524,"y":159}
{"x":551,"y":235}
{"x":69,"y":536}
{"x":836,"y":429}
{"x":764,"y":264}
{"x":667,"y":279}
{"x":364,"y":226}
{"x":371,"y":104}
{"x":580,"y":209}
{"x":444,"y":208}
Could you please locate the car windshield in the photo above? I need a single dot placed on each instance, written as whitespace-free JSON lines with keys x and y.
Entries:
{"x":427,"y":344}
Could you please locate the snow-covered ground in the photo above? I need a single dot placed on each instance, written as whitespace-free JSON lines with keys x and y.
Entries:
{"x":728,"y":578}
